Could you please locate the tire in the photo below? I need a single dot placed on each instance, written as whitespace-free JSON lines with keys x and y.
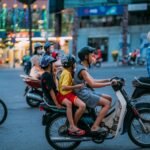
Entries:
{"x":139,"y":129}
{"x":3,"y":112}
{"x":53,"y":126}
{"x":32,"y":103}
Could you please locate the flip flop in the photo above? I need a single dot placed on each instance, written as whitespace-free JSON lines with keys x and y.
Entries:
{"x":78,"y":132}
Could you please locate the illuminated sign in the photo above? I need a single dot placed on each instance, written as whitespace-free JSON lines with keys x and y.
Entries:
{"x":100,"y":10}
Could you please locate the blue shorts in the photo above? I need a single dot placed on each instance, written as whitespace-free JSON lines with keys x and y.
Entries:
{"x":89,"y":97}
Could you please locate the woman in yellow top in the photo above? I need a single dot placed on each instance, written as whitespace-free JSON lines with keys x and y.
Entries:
{"x":67,"y":97}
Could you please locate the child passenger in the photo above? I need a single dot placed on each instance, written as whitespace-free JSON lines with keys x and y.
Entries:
{"x":67,"y":97}
{"x":50,"y":91}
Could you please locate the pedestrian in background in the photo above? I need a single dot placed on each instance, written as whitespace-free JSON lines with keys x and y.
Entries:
{"x":36,"y":70}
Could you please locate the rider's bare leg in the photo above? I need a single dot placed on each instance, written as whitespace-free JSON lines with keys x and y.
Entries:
{"x":81,"y":108}
{"x":69,"y":114}
{"x":107,"y":97}
{"x":105,"y":103}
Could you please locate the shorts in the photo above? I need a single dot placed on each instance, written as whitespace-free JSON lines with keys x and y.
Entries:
{"x":89,"y":97}
{"x":70,"y":96}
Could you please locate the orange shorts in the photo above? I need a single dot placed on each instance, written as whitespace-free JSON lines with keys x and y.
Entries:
{"x":70,"y":96}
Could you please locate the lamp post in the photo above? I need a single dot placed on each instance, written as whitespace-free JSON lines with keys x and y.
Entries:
{"x":29,"y":2}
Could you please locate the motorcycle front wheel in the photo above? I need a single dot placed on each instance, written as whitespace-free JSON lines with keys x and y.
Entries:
{"x":3,"y":112}
{"x":136,"y":131}
{"x":55,"y":130}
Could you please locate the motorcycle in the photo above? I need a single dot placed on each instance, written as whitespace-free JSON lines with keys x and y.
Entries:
{"x":98,"y":62}
{"x":127,"y":115}
{"x":33,"y":91}
{"x":3,"y":111}
{"x":142,"y":87}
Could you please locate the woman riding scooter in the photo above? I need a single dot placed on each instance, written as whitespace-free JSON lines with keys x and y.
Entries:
{"x":86,"y":93}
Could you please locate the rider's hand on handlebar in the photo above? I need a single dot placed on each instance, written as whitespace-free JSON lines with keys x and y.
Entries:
{"x":114,"y":82}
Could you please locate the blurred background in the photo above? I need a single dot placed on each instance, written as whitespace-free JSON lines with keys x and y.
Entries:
{"x":115,"y":27}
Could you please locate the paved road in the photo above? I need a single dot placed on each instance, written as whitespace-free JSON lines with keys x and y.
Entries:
{"x":23,"y":130}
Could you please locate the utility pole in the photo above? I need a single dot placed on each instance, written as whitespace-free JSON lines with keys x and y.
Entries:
{"x":58,"y":24}
{"x":125,"y":31}
{"x":48,"y":20}
{"x":75,"y":32}
{"x":0,"y":4}
{"x":30,"y":27}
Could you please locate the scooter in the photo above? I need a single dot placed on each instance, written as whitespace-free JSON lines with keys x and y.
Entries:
{"x":3,"y":111}
{"x":142,"y":87}
{"x":33,"y":91}
{"x":127,"y":115}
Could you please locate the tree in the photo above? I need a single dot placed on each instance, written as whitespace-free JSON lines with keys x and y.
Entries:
{"x":28,"y":3}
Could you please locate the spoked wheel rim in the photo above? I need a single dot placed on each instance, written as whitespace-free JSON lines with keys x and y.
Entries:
{"x":3,"y":112}
{"x":53,"y":132}
{"x":137,"y":131}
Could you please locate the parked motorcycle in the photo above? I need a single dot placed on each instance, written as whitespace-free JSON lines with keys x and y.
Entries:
{"x":129,"y":61}
{"x":3,"y":111}
{"x":126,"y":116}
{"x":98,"y":62}
{"x":33,"y":91}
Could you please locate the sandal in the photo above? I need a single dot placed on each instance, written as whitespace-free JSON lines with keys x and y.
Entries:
{"x":78,"y":132}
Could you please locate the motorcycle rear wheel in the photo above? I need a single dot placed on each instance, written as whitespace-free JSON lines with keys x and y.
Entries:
{"x":3,"y":112}
{"x":135,"y":131}
{"x":52,"y":129}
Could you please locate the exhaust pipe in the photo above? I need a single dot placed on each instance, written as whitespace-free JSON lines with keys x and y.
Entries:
{"x":35,"y":97}
{"x":70,"y":139}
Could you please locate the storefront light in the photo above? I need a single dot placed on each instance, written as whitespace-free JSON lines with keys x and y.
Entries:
{"x":43,"y":7}
{"x":34,"y":6}
{"x":15,"y":6}
{"x":24,"y":6}
{"x":4,"y":5}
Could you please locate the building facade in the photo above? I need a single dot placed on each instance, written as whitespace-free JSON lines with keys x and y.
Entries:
{"x":101,"y":27}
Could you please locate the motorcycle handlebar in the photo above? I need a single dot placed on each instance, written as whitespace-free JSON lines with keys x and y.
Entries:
{"x":117,"y":81}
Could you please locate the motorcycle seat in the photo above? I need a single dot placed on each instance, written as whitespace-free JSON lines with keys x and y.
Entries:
{"x":142,"y":82}
{"x":49,"y":108}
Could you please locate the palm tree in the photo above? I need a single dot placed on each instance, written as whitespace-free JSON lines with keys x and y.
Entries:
{"x":28,"y":3}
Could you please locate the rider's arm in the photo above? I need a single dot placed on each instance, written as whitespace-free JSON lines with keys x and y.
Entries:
{"x":67,"y":83}
{"x":102,"y":80}
{"x":66,"y":87}
{"x":52,"y":94}
{"x":90,"y":81}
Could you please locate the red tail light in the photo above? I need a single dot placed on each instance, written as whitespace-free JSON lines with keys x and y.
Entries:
{"x":41,"y":108}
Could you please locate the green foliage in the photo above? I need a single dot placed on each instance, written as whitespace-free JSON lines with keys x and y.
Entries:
{"x":26,"y":1}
